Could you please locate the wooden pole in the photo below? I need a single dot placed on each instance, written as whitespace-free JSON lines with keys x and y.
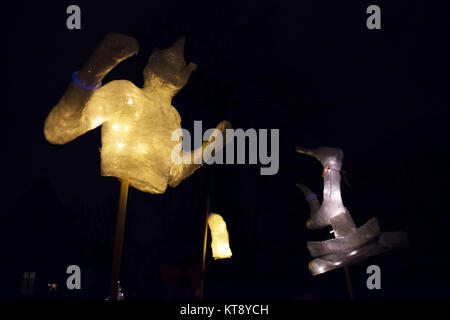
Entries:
{"x":351,"y":294}
{"x":118,"y":243}
{"x":205,"y":241}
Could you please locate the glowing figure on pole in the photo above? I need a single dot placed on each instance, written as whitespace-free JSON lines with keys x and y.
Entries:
{"x":137,"y":123}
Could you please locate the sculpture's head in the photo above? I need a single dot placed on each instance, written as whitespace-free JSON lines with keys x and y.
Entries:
{"x":167,"y":68}
{"x":329,"y":157}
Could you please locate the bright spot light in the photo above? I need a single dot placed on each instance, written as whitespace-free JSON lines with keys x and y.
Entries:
{"x":337,"y":263}
{"x":353,"y":253}
{"x":141,"y":148}
{"x":120,"y":145}
{"x":115,"y":127}
{"x":130,"y":100}
{"x":96,"y":122}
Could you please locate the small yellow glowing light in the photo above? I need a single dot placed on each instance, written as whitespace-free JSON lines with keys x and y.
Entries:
{"x":120,"y":145}
{"x":136,"y":114}
{"x":130,"y":100}
{"x":115,"y":127}
{"x":141,"y":148}
{"x":219,"y":234}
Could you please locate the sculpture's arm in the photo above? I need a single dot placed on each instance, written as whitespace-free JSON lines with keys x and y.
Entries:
{"x":68,"y":119}
{"x":179,"y":172}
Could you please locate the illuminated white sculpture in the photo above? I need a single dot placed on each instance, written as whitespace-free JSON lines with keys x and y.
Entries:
{"x":351,"y":244}
{"x":219,"y":237}
{"x":137,"y":123}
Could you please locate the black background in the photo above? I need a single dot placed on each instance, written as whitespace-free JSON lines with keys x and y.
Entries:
{"x":311,"y":69}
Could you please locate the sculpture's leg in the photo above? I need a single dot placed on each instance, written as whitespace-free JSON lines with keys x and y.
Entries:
{"x":118,"y":242}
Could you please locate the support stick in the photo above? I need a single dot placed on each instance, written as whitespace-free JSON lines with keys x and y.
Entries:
{"x":205,"y":241}
{"x":349,"y":283}
{"x":120,"y":228}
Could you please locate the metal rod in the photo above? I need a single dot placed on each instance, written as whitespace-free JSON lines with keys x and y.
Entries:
{"x":118,"y":243}
{"x":205,"y":241}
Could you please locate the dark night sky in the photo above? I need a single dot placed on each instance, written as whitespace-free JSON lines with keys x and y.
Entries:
{"x":311,"y":69}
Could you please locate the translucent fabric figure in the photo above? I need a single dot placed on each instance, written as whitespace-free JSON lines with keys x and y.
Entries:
{"x":137,"y":123}
{"x":351,"y":244}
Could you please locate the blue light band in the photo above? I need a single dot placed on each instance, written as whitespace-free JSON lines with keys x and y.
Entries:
{"x":311,"y":196}
{"x":78,"y":83}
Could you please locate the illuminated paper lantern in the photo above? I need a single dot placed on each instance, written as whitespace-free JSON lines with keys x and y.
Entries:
{"x":351,"y":244}
{"x":219,"y":235}
{"x":137,"y":123}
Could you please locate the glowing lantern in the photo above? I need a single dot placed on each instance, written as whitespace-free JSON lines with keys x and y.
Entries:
{"x":137,"y":123}
{"x":351,"y":244}
{"x":219,"y":235}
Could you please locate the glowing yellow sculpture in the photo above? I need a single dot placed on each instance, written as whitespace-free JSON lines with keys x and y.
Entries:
{"x":137,"y":123}
{"x":219,"y":234}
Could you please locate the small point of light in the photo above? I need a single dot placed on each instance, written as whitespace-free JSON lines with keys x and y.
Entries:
{"x":353,"y":253}
{"x":332,"y":231}
{"x":130,"y":100}
{"x":115,"y":127}
{"x":337,"y":263}
{"x":141,"y":148}
{"x":97,"y":122}
{"x":120,"y":145}
{"x":137,"y":114}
